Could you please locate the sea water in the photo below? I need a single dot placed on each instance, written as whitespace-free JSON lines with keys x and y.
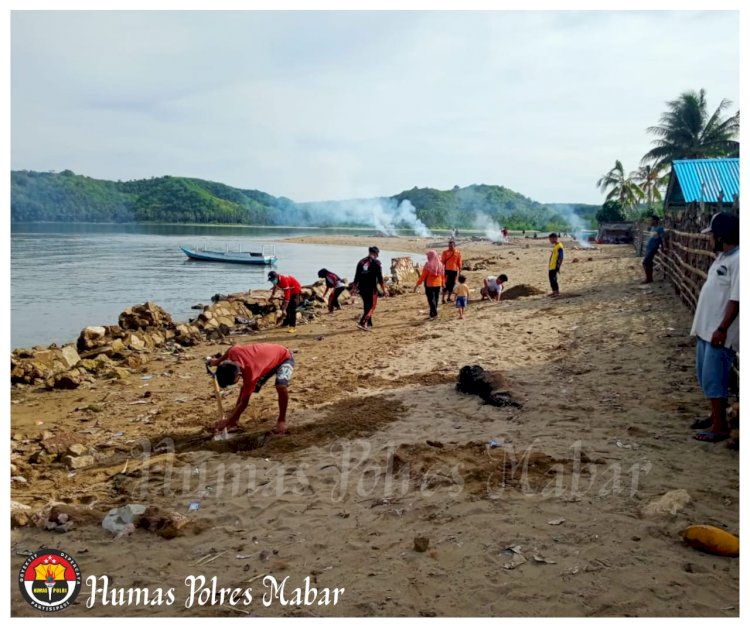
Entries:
{"x":65,"y":277}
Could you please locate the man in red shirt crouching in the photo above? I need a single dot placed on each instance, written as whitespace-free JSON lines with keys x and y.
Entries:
{"x":255,"y":364}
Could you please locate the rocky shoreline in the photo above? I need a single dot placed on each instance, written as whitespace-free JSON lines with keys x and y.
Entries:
{"x":115,"y":351}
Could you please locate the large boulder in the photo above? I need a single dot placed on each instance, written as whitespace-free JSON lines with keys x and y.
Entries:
{"x":403,"y":270}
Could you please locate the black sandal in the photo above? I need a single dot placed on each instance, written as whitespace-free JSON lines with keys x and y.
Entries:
{"x":701,"y":424}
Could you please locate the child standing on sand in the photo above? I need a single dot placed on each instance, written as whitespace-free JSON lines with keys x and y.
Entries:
{"x":462,"y":296}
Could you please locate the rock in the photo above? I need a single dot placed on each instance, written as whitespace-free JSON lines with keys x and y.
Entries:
{"x":69,"y":356}
{"x":18,"y":506}
{"x":145,"y":316}
{"x":117,"y":520}
{"x":19,"y":518}
{"x":421,"y":543}
{"x":59,"y":443}
{"x":404,"y":271}
{"x":187,"y":335}
{"x":65,"y":381}
{"x":117,"y":372}
{"x":45,"y":357}
{"x":136,"y":360}
{"x":91,"y":337}
{"x":65,"y":527}
{"x":88,"y":365}
{"x":118,"y":346}
{"x":77,"y":449}
{"x":668,"y":504}
{"x":78,"y":462}
{"x":94,"y":332}
{"x":164,"y":523}
{"x":80,"y":515}
{"x":135,"y":342}
{"x":19,"y":479}
{"x":42,"y":457}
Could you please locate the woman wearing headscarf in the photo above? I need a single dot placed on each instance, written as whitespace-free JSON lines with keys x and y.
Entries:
{"x":433,"y":277}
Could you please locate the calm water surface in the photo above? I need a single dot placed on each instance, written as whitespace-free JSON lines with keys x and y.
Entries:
{"x":65,"y":277}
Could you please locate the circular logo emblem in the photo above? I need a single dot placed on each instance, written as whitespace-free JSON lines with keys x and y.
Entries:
{"x":49,"y":580}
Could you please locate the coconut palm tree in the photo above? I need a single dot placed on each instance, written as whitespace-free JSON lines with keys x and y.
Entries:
{"x":651,"y":180}
{"x":687,"y":131}
{"x":621,"y":188}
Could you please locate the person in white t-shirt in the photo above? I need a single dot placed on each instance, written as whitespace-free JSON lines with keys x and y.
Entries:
{"x":716,"y":325}
{"x":493,"y":287}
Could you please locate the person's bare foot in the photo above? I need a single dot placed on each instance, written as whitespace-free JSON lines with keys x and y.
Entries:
{"x":280,"y":428}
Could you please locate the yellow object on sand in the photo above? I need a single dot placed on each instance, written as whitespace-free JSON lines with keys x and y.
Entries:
{"x":712,"y":540}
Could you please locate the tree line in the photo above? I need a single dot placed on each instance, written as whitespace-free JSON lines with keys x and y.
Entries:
{"x":686,"y":130}
{"x":69,"y":197}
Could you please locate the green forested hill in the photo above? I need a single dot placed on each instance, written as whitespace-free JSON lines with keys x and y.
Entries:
{"x":68,"y":197}
{"x":460,"y":207}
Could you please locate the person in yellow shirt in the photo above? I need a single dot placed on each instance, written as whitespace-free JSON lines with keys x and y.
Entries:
{"x":555,"y":261}
{"x":462,"y":296}
{"x":433,"y":277}
{"x":451,"y":259}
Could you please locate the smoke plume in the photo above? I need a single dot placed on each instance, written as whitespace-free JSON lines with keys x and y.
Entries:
{"x":384,"y":214}
{"x":491,"y":229}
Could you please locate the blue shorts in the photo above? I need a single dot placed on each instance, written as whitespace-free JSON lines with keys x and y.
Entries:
{"x":283,"y":374}
{"x":712,"y":366}
{"x":460,"y":302}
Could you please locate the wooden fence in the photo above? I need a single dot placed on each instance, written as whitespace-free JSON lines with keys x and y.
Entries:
{"x":685,"y":256}
{"x":684,"y":259}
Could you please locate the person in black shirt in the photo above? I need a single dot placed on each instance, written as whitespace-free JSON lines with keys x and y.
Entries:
{"x":336,"y":285}
{"x":368,"y":277}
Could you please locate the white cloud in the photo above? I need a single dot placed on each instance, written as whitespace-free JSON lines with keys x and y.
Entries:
{"x":335,"y":105}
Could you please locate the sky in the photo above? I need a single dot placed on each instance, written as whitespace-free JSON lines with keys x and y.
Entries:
{"x":335,"y":105}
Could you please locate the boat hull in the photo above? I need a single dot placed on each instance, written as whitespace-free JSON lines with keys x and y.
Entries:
{"x":229,"y":257}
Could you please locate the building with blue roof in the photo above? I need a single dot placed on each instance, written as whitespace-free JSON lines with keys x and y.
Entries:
{"x":706,"y":185}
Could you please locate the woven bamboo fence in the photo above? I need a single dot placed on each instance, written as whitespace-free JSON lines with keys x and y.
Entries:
{"x":685,"y":256}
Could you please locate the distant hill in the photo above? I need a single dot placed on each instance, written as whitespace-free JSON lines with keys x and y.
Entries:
{"x":467,"y":207}
{"x":69,"y":197}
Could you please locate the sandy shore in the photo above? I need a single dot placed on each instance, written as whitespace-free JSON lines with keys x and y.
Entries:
{"x":383,"y":450}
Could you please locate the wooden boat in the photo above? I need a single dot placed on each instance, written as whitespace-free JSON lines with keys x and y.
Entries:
{"x":258,"y":258}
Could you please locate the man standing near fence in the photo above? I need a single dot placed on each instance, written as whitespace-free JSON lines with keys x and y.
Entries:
{"x":716,"y":325}
{"x":656,"y":241}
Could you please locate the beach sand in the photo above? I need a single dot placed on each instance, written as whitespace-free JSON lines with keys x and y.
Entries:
{"x":383,"y":450}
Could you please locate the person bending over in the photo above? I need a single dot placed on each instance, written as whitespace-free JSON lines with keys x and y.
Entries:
{"x":254,"y":364}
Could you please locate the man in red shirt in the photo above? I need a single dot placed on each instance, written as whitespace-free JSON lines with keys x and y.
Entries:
{"x":254,"y":364}
{"x":291,"y":290}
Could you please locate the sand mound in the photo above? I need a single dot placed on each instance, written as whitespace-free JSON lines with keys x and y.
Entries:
{"x":521,"y":290}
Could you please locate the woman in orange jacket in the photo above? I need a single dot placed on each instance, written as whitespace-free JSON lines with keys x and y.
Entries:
{"x":433,"y":277}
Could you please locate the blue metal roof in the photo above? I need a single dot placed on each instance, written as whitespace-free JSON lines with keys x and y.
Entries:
{"x":703,"y":179}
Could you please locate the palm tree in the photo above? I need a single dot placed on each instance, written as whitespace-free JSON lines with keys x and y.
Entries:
{"x":621,"y":188}
{"x":686,"y":131}
{"x":651,"y":179}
